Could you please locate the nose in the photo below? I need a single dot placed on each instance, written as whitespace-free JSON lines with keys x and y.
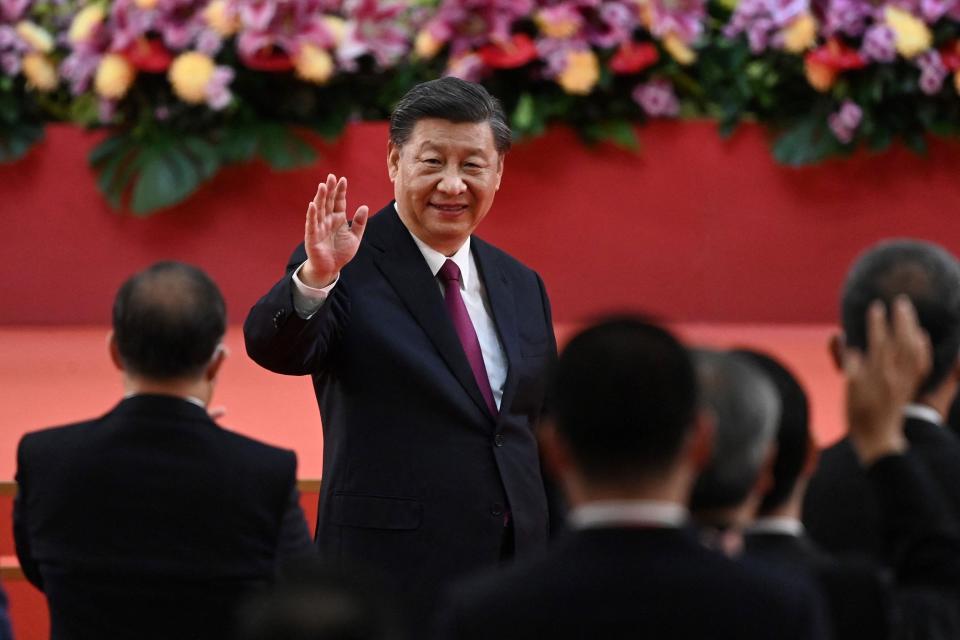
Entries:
{"x":451,"y":183}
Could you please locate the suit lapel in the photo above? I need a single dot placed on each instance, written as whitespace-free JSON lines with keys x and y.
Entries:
{"x":504,"y":310}
{"x":403,"y":266}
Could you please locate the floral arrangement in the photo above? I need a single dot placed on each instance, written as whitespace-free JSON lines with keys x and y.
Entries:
{"x":185,"y":87}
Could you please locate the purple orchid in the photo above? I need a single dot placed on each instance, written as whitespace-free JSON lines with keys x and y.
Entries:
{"x":285,"y":24}
{"x":682,"y":18}
{"x":762,"y":20}
{"x":467,"y":25}
{"x":932,"y":72}
{"x":879,"y":44}
{"x":375,"y":29}
{"x":845,"y":121}
{"x":848,"y":17}
{"x":657,"y":99}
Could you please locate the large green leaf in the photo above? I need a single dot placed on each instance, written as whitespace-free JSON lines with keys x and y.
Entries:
{"x":283,"y":149}
{"x":167,"y":177}
{"x":806,"y":142}
{"x":17,"y":140}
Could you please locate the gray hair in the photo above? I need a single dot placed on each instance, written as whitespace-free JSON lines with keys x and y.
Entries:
{"x":746,"y":407}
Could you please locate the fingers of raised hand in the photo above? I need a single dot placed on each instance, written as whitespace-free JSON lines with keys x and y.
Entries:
{"x":331,"y":192}
{"x":340,"y":196}
{"x":359,"y":221}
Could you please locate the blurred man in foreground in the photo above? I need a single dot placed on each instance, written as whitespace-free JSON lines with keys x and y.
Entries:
{"x":628,"y":443}
{"x":151,"y":521}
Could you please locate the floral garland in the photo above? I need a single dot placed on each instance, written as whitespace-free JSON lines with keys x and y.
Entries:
{"x":185,"y":87}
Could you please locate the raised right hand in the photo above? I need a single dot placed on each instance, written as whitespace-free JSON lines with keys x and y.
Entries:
{"x":330,"y":242}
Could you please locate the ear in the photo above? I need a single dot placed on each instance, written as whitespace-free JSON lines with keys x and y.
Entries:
{"x":810,"y":462}
{"x":700,"y":440}
{"x":393,"y":161}
{"x":219,"y":355}
{"x":114,"y":351}
{"x":554,"y":450}
{"x":500,"y":158}
{"x":765,"y":478}
{"x":838,"y":344}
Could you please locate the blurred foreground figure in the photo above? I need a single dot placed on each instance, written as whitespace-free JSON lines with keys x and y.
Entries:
{"x":316,"y":600}
{"x":628,"y":443}
{"x":841,"y":510}
{"x":151,"y":521}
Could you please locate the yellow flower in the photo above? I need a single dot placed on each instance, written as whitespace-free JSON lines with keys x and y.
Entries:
{"x":555,"y":28}
{"x":146,"y":4}
{"x":800,"y":34}
{"x":337,"y":27}
{"x":426,"y":46}
{"x":956,"y":81}
{"x":114,"y":76}
{"x":40,"y":72}
{"x":84,"y":23}
{"x":36,"y":36}
{"x":223,"y":22}
{"x":190,"y":74}
{"x":678,"y":49}
{"x":820,"y":76}
{"x":313,"y":64}
{"x":580,"y":73}
{"x":911,"y":35}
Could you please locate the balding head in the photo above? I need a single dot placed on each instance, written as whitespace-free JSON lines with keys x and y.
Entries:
{"x":168,"y":321}
{"x":925,"y":273}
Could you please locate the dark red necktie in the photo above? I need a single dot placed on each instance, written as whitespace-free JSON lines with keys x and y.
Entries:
{"x":449,"y":275}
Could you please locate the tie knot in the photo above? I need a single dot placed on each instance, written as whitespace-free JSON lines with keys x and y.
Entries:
{"x":449,"y":272}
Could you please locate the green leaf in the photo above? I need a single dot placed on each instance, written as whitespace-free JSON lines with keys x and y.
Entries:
{"x":806,"y":142}
{"x":618,"y":132}
{"x":239,"y":144}
{"x":282,"y":149}
{"x":167,"y":177}
{"x":524,"y":113}
{"x":204,"y":155}
{"x":16,"y":141}
{"x":108,"y":149}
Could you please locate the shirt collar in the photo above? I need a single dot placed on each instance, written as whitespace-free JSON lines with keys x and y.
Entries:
{"x":435,"y":259}
{"x":190,"y":399}
{"x":922,"y":412}
{"x":782,"y":526}
{"x":629,"y":513}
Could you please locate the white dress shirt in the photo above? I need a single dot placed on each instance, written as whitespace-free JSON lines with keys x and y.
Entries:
{"x":922,"y":412}
{"x":629,"y":513}
{"x":779,"y":525}
{"x":307,"y":300}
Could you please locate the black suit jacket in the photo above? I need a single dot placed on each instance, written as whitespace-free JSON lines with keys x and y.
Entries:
{"x":417,"y":474}
{"x":841,"y":510}
{"x":622,"y":583}
{"x":151,"y":521}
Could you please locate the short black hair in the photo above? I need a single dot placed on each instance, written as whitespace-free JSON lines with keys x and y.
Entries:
{"x":924,"y":272}
{"x":624,"y":396}
{"x":168,"y":320}
{"x":746,"y":407}
{"x":793,"y":430}
{"x":452,"y":99}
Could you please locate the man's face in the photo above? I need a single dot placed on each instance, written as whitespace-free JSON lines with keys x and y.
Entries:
{"x":444,"y":180}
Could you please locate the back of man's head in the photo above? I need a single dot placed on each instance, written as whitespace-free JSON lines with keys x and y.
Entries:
{"x":793,"y":431}
{"x":168,"y":321}
{"x":452,"y":99}
{"x":746,"y":409}
{"x":924,"y":272}
{"x":624,"y":398}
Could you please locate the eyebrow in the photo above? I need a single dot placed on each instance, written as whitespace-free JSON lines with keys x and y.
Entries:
{"x":430,"y":145}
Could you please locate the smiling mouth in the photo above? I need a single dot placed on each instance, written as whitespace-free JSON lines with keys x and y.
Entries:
{"x":449,"y":208}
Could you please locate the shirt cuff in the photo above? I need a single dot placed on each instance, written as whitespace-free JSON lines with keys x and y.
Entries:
{"x":307,"y":300}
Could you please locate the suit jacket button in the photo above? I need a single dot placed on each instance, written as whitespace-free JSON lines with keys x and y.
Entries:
{"x":277,"y":318}
{"x":496,"y":510}
{"x":498,"y":440}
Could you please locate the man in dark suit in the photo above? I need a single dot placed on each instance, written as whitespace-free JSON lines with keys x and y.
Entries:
{"x":628,"y":443}
{"x":840,"y":510}
{"x":151,"y":521}
{"x":428,"y":349}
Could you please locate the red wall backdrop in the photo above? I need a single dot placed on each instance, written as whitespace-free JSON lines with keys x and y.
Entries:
{"x":693,"y":229}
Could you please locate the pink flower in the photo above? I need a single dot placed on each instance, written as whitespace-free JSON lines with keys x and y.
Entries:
{"x":266,"y":26}
{"x":657,"y":99}
{"x":845,"y":121}
{"x":470,"y":24}
{"x":373,"y":29}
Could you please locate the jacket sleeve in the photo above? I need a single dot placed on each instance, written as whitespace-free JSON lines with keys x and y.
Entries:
{"x":21,"y":535}
{"x":278,"y":339}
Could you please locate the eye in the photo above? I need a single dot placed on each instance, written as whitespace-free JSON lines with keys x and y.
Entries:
{"x":433,"y":162}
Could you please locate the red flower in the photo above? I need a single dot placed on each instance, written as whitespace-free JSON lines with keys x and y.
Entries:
{"x":950,"y":55}
{"x":149,"y":55}
{"x":268,"y":59}
{"x":836,"y":56}
{"x":633,"y":57}
{"x":516,"y":52}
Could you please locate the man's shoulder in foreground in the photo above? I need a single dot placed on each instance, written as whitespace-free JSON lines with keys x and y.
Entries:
{"x":618,"y":583}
